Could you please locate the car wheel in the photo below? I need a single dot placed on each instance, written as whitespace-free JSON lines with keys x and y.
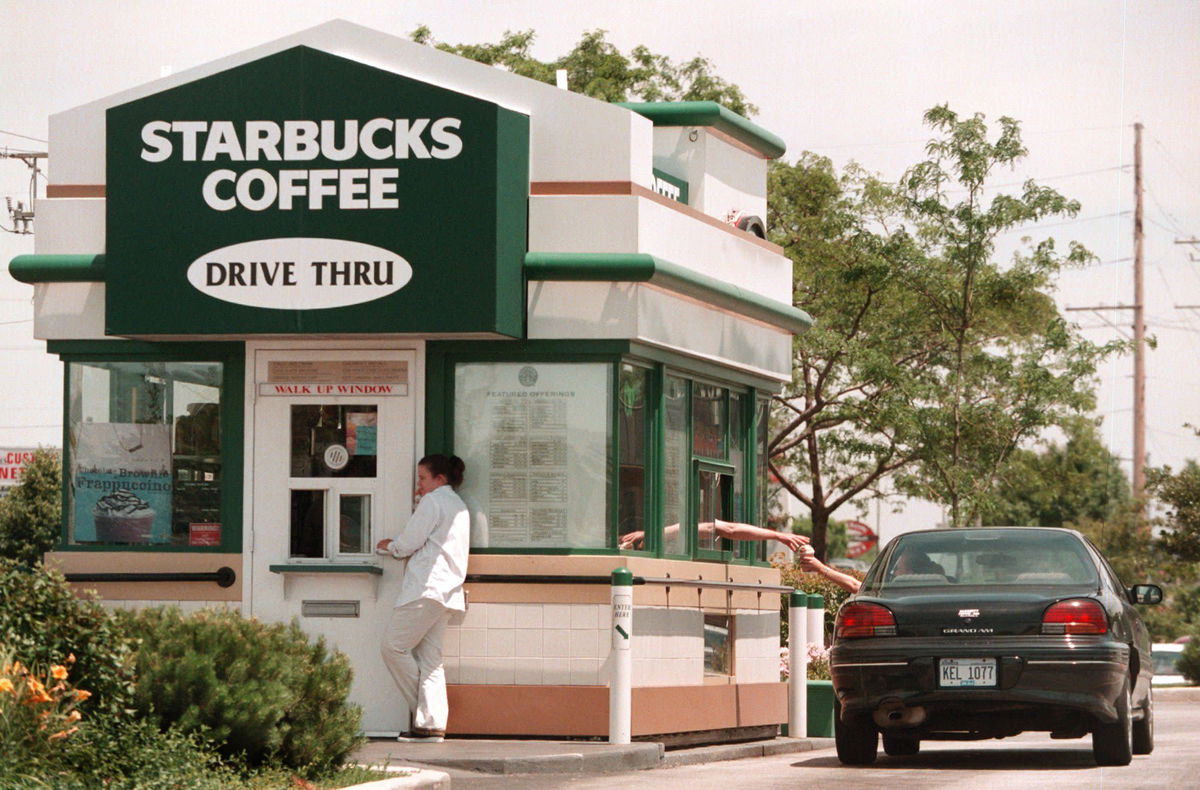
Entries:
{"x":856,"y":739}
{"x":900,"y":745}
{"x":1143,"y":730}
{"x":1112,"y":744}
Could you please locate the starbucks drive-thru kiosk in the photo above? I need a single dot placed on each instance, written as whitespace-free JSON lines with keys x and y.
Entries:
{"x":279,"y":279}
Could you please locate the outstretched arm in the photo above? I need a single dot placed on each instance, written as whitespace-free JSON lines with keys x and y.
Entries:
{"x":844,"y":580}
{"x":735,"y":530}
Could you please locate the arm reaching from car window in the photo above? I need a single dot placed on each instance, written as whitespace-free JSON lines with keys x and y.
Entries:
{"x":810,"y":563}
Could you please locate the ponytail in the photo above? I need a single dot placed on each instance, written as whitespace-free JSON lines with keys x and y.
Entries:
{"x":451,"y":467}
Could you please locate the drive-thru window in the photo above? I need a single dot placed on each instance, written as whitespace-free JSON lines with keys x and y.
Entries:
{"x":279,"y":279}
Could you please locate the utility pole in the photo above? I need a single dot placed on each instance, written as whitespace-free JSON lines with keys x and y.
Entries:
{"x":1139,"y":333}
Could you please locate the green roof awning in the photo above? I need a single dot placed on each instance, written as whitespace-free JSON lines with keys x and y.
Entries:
{"x":711,"y":114}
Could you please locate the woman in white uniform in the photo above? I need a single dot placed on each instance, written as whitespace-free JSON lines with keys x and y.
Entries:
{"x":436,"y":542}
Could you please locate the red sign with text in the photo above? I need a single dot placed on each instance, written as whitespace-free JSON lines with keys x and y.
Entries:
{"x":204,"y":534}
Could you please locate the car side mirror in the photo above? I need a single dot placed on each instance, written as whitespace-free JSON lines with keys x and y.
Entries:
{"x":1146,"y":593}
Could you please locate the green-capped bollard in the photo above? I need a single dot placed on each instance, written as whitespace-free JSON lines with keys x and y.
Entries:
{"x":816,"y":619}
{"x":797,"y":664}
{"x":620,"y":688}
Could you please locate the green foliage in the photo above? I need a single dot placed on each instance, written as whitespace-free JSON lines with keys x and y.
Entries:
{"x":1137,"y":558}
{"x":1189,"y":660}
{"x":596,"y":68}
{"x":836,"y":431}
{"x":1181,"y":494}
{"x":44,"y":622}
{"x":1060,"y":486}
{"x":1005,"y":365}
{"x":258,"y":690}
{"x":31,"y":514}
{"x":123,"y":753}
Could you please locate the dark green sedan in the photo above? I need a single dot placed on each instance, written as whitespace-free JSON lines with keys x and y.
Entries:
{"x":967,"y":634}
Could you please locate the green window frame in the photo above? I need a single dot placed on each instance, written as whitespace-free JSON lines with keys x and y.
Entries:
{"x":665,"y":373}
{"x":231,"y":357}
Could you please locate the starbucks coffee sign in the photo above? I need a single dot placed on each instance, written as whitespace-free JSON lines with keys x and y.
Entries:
{"x":307,"y":193}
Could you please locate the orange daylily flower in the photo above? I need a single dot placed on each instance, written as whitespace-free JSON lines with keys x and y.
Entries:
{"x":81,"y":694}
{"x":58,"y":672}
{"x":7,"y":685}
{"x":63,"y":733}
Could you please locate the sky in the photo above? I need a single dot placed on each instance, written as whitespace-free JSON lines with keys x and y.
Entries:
{"x":846,"y":79}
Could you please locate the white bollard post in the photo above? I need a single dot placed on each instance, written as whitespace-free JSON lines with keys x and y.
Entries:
{"x":797,"y":665}
{"x":620,"y":688}
{"x":816,"y":619}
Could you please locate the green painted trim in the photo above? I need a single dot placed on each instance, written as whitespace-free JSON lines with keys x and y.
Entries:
{"x":709,"y":113}
{"x":512,"y":219}
{"x":640,"y":267}
{"x":798,"y":599}
{"x":372,"y":570}
{"x":58,"y":268}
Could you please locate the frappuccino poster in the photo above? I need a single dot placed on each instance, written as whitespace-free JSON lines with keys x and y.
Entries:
{"x":121,"y":483}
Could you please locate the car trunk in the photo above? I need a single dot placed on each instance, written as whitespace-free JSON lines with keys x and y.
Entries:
{"x":975,"y":611}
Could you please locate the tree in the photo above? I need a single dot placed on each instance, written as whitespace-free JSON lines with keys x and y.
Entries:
{"x":31,"y":514}
{"x":1008,"y":365}
{"x":1181,"y":494}
{"x":838,"y":432}
{"x":596,"y":68}
{"x":1062,"y":485}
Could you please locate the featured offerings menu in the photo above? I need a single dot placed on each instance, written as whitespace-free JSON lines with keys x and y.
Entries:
{"x":534,"y":441}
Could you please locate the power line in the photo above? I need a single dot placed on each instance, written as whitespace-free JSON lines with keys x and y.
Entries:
{"x":23,"y":136}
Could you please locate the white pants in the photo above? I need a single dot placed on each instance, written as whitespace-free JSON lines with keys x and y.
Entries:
{"x":412,"y":650}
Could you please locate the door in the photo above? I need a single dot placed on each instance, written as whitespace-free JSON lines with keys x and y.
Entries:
{"x":333,"y":473}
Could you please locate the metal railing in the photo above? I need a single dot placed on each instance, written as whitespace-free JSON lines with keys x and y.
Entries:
{"x":224,"y":577}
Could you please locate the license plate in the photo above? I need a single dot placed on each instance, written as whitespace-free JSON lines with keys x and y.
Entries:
{"x":967,"y":672}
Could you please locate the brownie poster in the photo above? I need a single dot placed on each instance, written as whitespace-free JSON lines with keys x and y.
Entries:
{"x":121,"y":483}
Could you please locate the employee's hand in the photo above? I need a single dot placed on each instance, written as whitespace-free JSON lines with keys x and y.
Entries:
{"x":631,"y":540}
{"x":384,"y":545}
{"x":791,"y":540}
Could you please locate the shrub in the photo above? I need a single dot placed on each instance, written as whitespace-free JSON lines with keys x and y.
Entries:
{"x":31,"y":514}
{"x":1189,"y":660}
{"x":43,"y":622}
{"x":260,"y":691}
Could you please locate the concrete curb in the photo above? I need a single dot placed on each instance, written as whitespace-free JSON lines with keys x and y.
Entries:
{"x":419,"y":778}
{"x":742,"y":751}
{"x":504,"y":758}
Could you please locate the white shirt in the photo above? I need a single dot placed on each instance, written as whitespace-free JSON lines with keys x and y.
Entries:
{"x":436,"y":541}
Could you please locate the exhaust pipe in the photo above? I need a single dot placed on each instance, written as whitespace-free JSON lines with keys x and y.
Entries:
{"x":895,"y":713}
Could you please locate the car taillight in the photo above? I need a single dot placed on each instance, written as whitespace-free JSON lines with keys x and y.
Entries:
{"x":1076,"y":616}
{"x":858,"y":620}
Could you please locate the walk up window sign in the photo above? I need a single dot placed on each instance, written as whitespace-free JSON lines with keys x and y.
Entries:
{"x":306,"y":193}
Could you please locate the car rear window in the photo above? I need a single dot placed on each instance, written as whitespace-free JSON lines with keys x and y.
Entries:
{"x":987,"y":557}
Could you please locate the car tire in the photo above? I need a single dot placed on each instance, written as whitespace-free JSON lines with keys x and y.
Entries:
{"x":900,"y":745}
{"x":1143,"y":729}
{"x":856,"y":739}
{"x":1112,"y":744}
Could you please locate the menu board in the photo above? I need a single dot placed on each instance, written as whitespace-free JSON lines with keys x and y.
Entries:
{"x":535,"y":442}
